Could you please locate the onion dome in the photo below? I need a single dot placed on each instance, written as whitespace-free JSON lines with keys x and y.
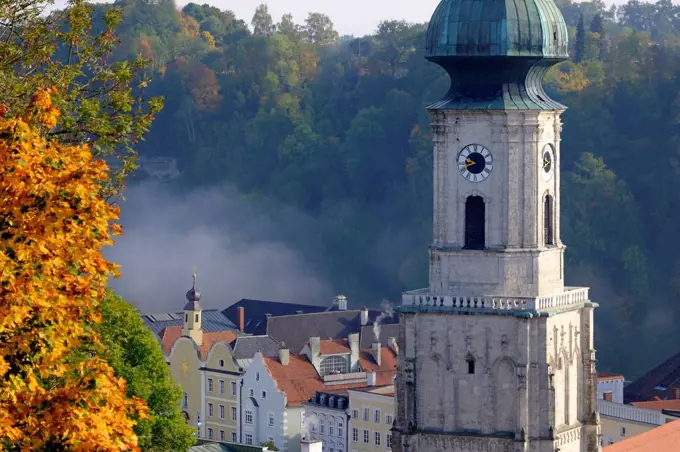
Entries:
{"x":497,"y":52}
{"x":193,"y":298}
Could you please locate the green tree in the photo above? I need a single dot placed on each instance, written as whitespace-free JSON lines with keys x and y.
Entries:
{"x":101,"y":100}
{"x":319,"y":30}
{"x":133,"y":352}
{"x":579,"y":49}
{"x":290,"y":29}
{"x":263,"y":24}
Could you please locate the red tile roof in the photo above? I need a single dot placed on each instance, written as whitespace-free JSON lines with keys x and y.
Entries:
{"x":333,"y":346}
{"x":170,"y":335}
{"x":299,"y":379}
{"x":665,"y":438}
{"x":659,"y":405}
{"x":604,"y":376}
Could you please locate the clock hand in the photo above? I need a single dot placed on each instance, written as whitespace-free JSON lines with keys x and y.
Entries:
{"x":469,"y":163}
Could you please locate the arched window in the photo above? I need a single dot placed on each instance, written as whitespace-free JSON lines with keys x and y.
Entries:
{"x":333,"y":364}
{"x":474,"y":223}
{"x":548,"y":233}
{"x":470,"y":364}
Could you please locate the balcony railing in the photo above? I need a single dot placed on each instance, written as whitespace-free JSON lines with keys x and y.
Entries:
{"x":423,"y":297}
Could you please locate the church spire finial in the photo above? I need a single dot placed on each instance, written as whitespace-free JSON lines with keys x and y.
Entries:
{"x":193,"y":295}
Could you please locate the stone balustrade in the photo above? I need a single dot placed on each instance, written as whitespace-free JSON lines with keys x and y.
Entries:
{"x":424,"y":297}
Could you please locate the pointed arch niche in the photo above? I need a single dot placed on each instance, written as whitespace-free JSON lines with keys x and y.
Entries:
{"x":506,"y":395}
{"x":475,"y":223}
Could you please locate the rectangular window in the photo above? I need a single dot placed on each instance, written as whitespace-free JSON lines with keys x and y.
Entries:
{"x":623,"y":431}
{"x":340,"y":428}
{"x":388,"y":419}
{"x":355,"y":413}
{"x":221,"y":386}
{"x":233,"y":437}
{"x":271,"y":419}
{"x":377,"y":438}
{"x":222,"y":436}
{"x":233,"y":388}
{"x":302,"y":418}
{"x":210,"y":433}
{"x":221,"y":411}
{"x":330,"y":428}
{"x":367,"y":414}
{"x":312,"y":426}
{"x":210,"y":385}
{"x":355,"y":435}
{"x":388,"y":441}
{"x":376,"y":416}
{"x":264,"y":394}
{"x":249,"y":438}
{"x":248,"y":417}
{"x":185,"y":400}
{"x":233,"y":413}
{"x":608,"y":396}
{"x":366,"y":437}
{"x":322,"y":427}
{"x":210,"y":410}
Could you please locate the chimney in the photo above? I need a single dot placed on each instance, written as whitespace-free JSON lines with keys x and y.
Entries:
{"x":364,"y":316}
{"x":315,"y":346}
{"x":341,"y":302}
{"x":371,"y":378}
{"x":375,"y":348}
{"x":268,"y":316}
{"x":284,"y":356}
{"x":392,"y":343}
{"x":311,"y":445}
{"x":353,"y":340}
{"x":241,"y":318}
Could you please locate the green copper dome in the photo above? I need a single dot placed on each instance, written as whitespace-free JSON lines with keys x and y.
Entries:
{"x":496,"y":52}
{"x":496,"y":28}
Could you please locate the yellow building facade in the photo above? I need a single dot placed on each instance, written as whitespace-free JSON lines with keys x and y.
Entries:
{"x":202,"y":363}
{"x":371,"y":416}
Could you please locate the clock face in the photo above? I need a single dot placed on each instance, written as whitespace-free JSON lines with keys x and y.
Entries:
{"x":547,"y":162}
{"x":475,"y":162}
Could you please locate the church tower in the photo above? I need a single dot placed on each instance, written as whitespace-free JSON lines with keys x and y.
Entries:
{"x":496,"y":355}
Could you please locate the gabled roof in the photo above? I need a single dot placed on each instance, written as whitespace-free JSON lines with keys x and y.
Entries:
{"x":170,"y":335}
{"x":384,"y":333}
{"x":665,"y":438}
{"x":211,"y":320}
{"x":255,"y":321}
{"x":295,"y":330}
{"x":655,"y":383}
{"x":245,"y":347}
{"x":299,"y":379}
{"x":334,"y":346}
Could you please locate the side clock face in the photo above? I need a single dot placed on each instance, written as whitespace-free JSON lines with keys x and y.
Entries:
{"x":547,"y":162}
{"x":475,"y":162}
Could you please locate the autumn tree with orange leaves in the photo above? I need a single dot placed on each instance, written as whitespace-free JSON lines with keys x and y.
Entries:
{"x":54,"y":223}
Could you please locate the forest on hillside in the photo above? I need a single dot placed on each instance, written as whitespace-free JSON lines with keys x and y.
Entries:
{"x":336,"y":127}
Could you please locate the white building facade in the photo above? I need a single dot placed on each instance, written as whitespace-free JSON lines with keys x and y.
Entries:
{"x":496,"y":355}
{"x":326,"y":420}
{"x":264,"y":414}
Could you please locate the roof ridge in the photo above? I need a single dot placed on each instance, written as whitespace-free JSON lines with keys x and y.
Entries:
{"x":314,"y":313}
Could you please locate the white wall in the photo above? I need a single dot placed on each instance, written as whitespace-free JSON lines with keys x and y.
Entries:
{"x":313,"y":414}
{"x":258,"y":379}
{"x":615,"y":386}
